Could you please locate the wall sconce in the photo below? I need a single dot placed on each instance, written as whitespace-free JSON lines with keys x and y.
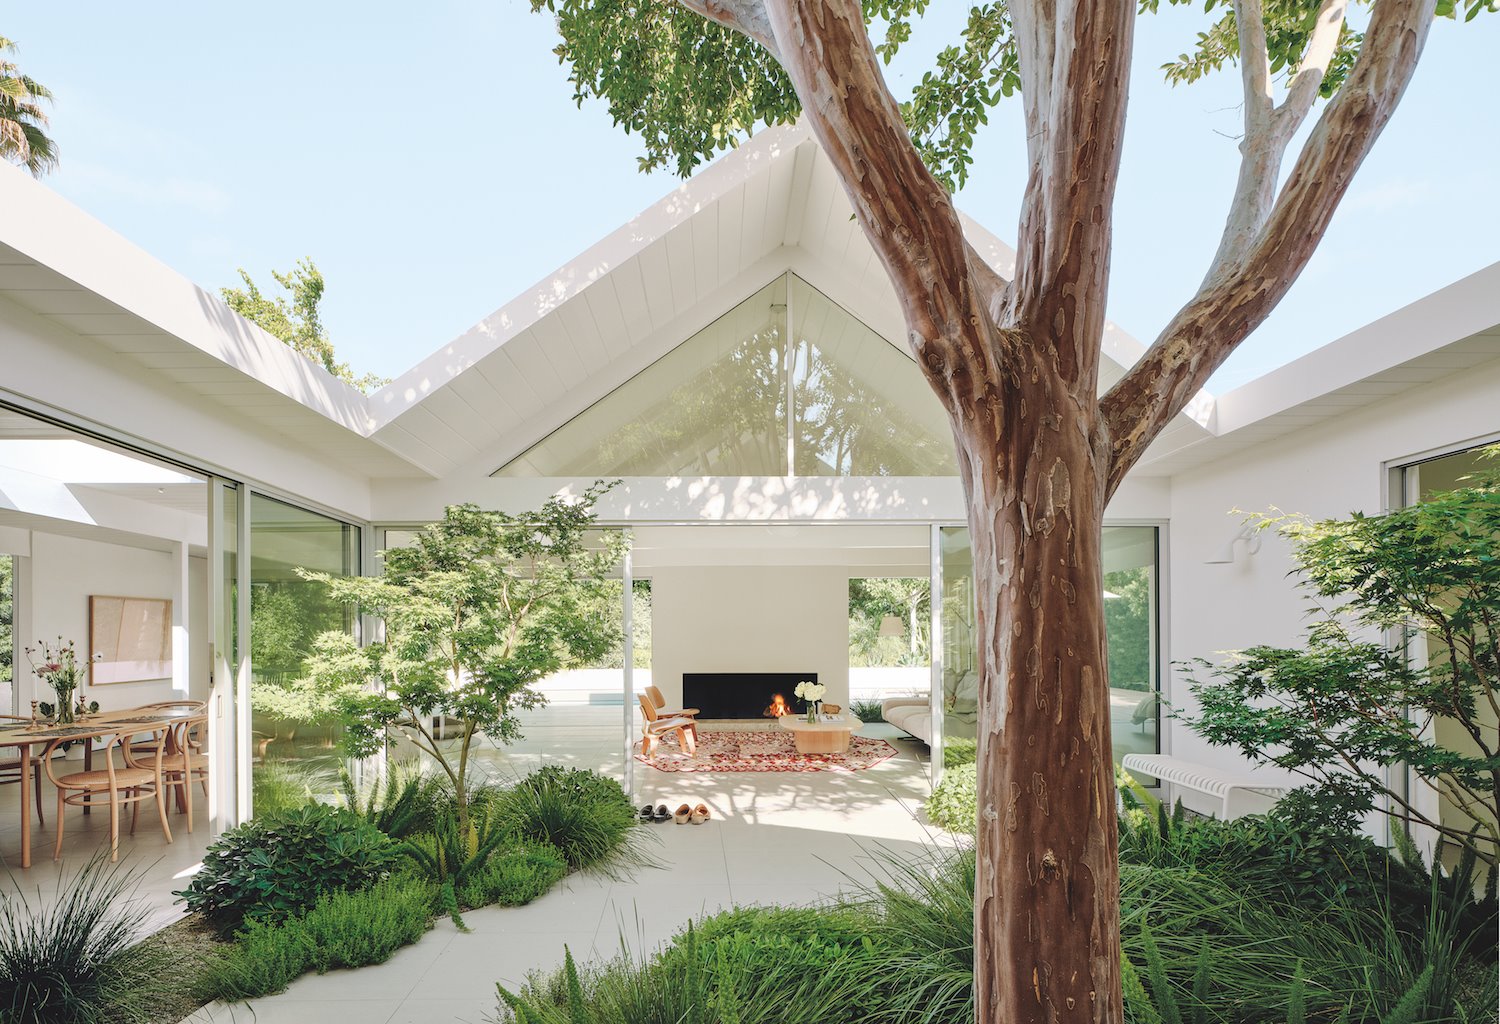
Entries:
{"x":891,"y":625}
{"x":1247,"y":541}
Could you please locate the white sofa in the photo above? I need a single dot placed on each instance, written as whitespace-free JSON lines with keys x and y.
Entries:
{"x":914,"y":715}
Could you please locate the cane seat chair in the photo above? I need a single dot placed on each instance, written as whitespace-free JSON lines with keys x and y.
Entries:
{"x":133,"y":782}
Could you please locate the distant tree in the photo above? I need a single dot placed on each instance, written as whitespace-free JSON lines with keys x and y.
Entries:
{"x":1127,"y":624}
{"x":23,"y":122}
{"x":871,"y":599}
{"x":297,"y":322}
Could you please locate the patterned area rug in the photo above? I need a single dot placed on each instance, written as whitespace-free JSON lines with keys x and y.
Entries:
{"x":762,"y":751}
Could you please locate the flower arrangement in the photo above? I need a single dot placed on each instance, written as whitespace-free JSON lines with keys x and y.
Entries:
{"x":812,"y":693}
{"x":58,"y":668}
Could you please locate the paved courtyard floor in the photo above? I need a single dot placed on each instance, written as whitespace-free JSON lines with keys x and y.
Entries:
{"x":782,"y":838}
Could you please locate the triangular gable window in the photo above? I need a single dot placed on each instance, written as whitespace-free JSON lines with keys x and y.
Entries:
{"x":716,"y":404}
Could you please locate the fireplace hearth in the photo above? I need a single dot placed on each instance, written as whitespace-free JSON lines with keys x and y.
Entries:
{"x":744,"y":695}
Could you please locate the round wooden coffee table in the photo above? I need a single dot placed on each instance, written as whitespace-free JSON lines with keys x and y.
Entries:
{"x":820,"y":737}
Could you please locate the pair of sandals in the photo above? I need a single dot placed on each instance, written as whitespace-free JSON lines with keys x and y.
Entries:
{"x":683,"y":815}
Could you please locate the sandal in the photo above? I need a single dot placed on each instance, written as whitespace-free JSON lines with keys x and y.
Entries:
{"x":684,"y":815}
{"x":647,"y":813}
{"x":661,"y":814}
{"x":700,"y":814}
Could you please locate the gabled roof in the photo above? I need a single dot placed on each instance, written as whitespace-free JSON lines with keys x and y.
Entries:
{"x":772,"y":205}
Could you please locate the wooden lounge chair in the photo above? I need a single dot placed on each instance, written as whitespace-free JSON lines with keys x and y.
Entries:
{"x":662,"y":711}
{"x":656,"y":727}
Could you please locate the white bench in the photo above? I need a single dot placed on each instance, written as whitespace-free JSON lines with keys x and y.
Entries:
{"x":1238,"y":793}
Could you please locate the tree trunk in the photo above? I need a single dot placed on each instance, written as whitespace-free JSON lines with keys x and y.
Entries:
{"x":1046,"y":921}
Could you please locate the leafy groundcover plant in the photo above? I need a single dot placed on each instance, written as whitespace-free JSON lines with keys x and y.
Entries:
{"x":954,"y":803}
{"x":277,"y":865}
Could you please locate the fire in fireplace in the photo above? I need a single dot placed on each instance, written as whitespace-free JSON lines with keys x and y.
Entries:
{"x":748,"y":696}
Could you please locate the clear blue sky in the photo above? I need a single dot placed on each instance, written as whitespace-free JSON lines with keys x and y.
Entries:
{"x":431,"y":160}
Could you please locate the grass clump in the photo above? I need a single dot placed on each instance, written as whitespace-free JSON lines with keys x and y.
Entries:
{"x":341,"y":930}
{"x":77,"y":959}
{"x":959,"y":751}
{"x":867,"y":710}
{"x":954,"y":804}
{"x":584,"y":815}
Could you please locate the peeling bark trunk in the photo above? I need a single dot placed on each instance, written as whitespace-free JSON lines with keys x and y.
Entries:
{"x":1046,"y":920}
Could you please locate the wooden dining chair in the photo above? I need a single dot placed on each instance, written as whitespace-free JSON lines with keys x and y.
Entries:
{"x":185,"y":763}
{"x":130,"y":783}
{"x":656,"y":727}
{"x":13,"y":772}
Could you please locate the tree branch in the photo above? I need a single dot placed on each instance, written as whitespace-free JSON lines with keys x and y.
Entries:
{"x":1075,"y":65}
{"x":747,"y":17}
{"x":906,"y":214}
{"x":1245,"y":288}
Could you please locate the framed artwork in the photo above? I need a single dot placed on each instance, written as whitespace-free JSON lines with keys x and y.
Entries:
{"x":130,"y":639}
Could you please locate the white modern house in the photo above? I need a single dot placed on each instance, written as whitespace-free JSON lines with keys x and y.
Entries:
{"x":734,"y":356}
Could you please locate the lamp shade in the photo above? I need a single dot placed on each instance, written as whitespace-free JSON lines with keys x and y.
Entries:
{"x":891,"y":625}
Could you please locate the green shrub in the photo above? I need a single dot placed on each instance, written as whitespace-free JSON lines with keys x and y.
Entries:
{"x":954,"y":804}
{"x":341,"y":930}
{"x":959,"y":751}
{"x":585,"y":815}
{"x":354,"y":929}
{"x":74,"y":958}
{"x":278,"y":865}
{"x":265,"y":958}
{"x":405,"y":803}
{"x":514,"y":876}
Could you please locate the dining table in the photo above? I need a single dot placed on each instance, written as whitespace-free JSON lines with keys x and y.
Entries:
{"x":85,"y":729}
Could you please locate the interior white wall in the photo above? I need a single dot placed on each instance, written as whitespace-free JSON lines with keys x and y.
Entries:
{"x":1325,"y":471}
{"x":63,"y":571}
{"x":750,"y":619}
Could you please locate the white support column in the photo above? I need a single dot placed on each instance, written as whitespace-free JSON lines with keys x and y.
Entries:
{"x":628,"y":618}
{"x":181,"y":642}
{"x":223,"y":756}
{"x":244,"y":806}
{"x":935,"y":631}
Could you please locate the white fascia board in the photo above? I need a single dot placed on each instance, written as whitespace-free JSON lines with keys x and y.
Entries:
{"x":731,"y":499}
{"x":1451,"y":314}
{"x":58,"y":235}
{"x":751,"y":158}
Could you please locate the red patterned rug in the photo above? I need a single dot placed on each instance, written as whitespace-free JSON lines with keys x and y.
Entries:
{"x":762,"y":751}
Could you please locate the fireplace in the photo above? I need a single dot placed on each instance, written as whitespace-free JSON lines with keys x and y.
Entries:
{"x":743,"y":695}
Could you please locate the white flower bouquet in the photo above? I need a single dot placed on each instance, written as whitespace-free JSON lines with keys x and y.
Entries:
{"x":812,"y":693}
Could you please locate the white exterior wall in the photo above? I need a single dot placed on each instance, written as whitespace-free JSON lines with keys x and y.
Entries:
{"x":750,"y":619}
{"x":1325,"y":471}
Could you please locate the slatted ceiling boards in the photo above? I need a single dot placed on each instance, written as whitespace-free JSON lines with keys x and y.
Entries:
{"x":549,"y":337}
{"x":607,"y":321}
{"x":731,"y":225}
{"x":630,"y":294}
